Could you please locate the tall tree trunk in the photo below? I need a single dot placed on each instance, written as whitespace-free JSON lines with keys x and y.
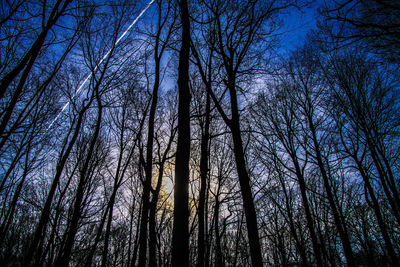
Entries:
{"x":218,"y":250}
{"x":388,"y":182}
{"x":203,"y":185}
{"x":92,"y":251}
{"x":131,"y":217}
{"x":149,"y":162}
{"x":340,"y":224}
{"x":180,"y":233}
{"x":237,"y":239}
{"x":108,"y":229}
{"x":50,"y":247}
{"x":135,"y":244}
{"x":244,"y":179}
{"x":317,"y":246}
{"x":153,"y":205}
{"x":375,"y":203}
{"x":153,"y":219}
{"x":152,"y":222}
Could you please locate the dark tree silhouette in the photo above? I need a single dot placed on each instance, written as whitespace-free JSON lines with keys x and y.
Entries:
{"x":180,"y":235}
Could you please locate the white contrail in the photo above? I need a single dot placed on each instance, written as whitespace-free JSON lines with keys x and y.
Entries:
{"x":101,"y":61}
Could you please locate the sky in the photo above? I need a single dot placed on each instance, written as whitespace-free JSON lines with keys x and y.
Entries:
{"x":297,"y":24}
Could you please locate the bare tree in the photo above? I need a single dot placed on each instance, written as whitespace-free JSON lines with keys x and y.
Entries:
{"x":281,"y":131}
{"x":363,"y":96}
{"x":237,"y":27}
{"x":163,"y":21}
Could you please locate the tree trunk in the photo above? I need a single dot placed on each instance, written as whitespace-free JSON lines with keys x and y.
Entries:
{"x":153,"y":205}
{"x":244,"y":180}
{"x":310,"y":224}
{"x":180,"y":234}
{"x":203,"y":185}
{"x":132,"y":210}
{"x":218,"y":250}
{"x":108,"y":230}
{"x":340,"y":224}
{"x":149,"y":164}
{"x":136,"y":245}
{"x":153,"y":219}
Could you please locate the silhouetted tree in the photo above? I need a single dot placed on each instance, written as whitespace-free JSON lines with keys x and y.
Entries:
{"x":180,"y":235}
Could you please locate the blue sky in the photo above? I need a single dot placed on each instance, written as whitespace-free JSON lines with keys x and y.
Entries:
{"x":297,"y":24}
